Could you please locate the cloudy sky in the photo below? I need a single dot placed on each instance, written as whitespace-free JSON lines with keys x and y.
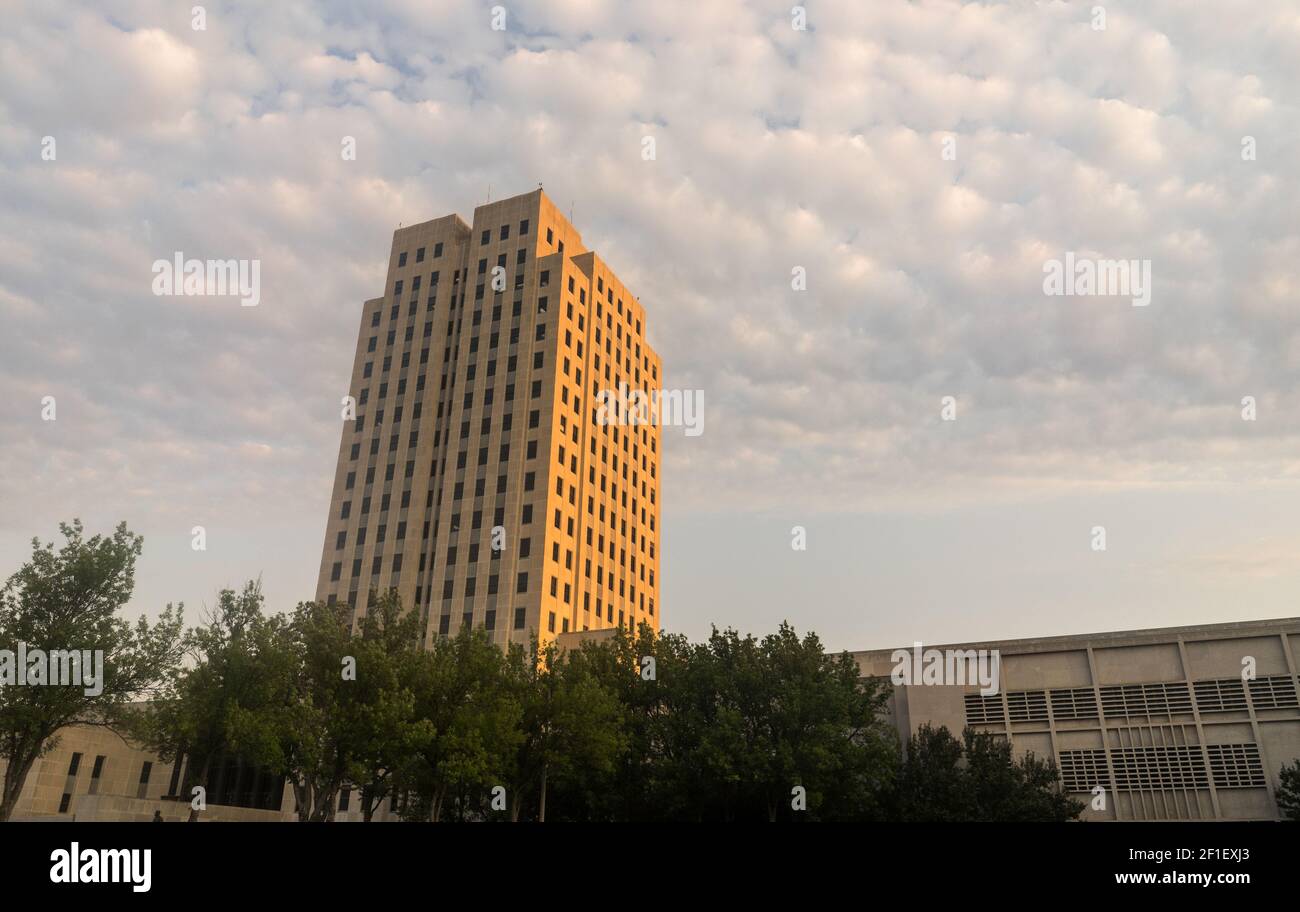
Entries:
{"x":822,"y":148}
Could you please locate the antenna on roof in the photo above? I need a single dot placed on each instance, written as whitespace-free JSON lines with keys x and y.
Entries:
{"x":489,"y":199}
{"x":570,"y":211}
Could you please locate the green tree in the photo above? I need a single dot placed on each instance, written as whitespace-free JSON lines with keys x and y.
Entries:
{"x":695,"y":734}
{"x":473,"y":717}
{"x":226,"y":673}
{"x":729,"y":728}
{"x":303,"y":731}
{"x":976,"y":779}
{"x":783,"y":714}
{"x":627,"y":665}
{"x":385,"y":727}
{"x":1288,"y":790}
{"x":69,"y":600}
{"x":824,"y":730}
{"x":572,"y":725}
{"x":931,"y":785}
{"x":342,"y":707}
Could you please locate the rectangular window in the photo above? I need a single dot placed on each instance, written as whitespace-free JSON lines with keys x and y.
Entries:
{"x":96,"y":771}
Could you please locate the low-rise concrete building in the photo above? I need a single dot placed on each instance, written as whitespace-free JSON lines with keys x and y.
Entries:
{"x":94,"y":774}
{"x":1178,"y":723}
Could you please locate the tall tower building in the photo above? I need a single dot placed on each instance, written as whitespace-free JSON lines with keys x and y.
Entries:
{"x":480,"y":478}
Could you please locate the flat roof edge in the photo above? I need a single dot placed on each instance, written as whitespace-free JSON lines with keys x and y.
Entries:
{"x":1081,"y":640}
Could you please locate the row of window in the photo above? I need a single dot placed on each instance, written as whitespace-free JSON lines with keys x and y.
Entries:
{"x":544,"y":281}
{"x":504,"y":233}
{"x":1127,"y":701}
{"x":524,"y":551}
{"x":554,"y":624}
{"x":521,"y":256}
{"x":1160,"y":768}
{"x":419,"y":255}
{"x":96,"y":774}
{"x":489,"y":620}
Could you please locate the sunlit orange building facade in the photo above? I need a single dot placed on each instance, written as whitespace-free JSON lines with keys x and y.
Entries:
{"x":477,"y":475}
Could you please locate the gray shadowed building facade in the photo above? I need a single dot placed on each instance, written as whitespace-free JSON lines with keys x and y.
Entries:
{"x":1163,"y":720}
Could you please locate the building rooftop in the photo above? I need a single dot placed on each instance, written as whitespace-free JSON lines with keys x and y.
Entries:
{"x":1114,"y":637}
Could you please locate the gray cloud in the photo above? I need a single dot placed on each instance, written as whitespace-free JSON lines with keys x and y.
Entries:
{"x":775,"y":149}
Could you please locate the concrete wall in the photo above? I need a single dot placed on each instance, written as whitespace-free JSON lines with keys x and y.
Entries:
{"x":122,"y":808}
{"x":1161,"y":719}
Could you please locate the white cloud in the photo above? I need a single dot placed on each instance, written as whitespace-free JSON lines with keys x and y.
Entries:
{"x":775,"y":148}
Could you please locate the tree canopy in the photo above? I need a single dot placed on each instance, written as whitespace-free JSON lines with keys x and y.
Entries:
{"x":637,"y":726}
{"x":69,"y":599}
